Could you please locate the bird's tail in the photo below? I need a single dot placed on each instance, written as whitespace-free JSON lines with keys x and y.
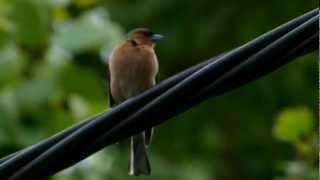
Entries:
{"x":139,"y":161}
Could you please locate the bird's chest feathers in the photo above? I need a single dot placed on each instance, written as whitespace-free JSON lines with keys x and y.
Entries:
{"x":134,"y":72}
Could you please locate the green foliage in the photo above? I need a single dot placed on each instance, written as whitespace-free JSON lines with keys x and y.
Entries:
{"x":11,"y":61}
{"x":294,"y":124}
{"x":25,"y":11}
{"x":87,"y":32}
{"x":51,"y":77}
{"x":43,"y":88}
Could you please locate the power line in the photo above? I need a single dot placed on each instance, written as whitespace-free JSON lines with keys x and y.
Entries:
{"x":213,"y":77}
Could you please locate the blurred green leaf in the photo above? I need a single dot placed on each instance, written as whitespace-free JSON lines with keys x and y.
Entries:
{"x":34,"y":94}
{"x":81,"y":81}
{"x":4,"y":7}
{"x":60,"y":13}
{"x":58,"y":57}
{"x":91,"y":31}
{"x":11,"y":64}
{"x":52,"y":119}
{"x":9,"y":117}
{"x":5,"y":24}
{"x":32,"y":22}
{"x":85,"y":3}
{"x":79,"y":107}
{"x":293,"y":124}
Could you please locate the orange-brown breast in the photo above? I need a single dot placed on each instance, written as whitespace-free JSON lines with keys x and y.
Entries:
{"x":132,"y":70}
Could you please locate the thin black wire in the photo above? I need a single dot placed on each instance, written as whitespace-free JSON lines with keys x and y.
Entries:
{"x":114,"y":114}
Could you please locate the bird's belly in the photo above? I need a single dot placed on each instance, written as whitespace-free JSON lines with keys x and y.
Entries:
{"x":134,"y":84}
{"x":132,"y":79}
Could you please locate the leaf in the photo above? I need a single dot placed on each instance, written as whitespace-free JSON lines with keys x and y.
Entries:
{"x":293,"y":124}
{"x":32,"y":22}
{"x":91,"y":31}
{"x":11,"y":64}
{"x":5,"y":24}
{"x":78,"y":106}
{"x":85,"y":3}
{"x":9,"y":117}
{"x":33,"y":94}
{"x":83,"y":82}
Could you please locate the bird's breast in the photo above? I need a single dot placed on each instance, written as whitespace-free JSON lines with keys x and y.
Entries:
{"x":132,"y":71}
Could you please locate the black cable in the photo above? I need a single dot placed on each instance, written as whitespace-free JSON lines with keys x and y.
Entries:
{"x":2,"y":160}
{"x":269,"y":58}
{"x":277,"y":32}
{"x":115,"y":112}
{"x":172,"y":101}
{"x":37,"y":149}
{"x":175,"y":97}
{"x":16,"y":160}
{"x":286,"y":27}
{"x":171,"y":95}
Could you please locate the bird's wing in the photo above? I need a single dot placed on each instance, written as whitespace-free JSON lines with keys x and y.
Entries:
{"x":111,"y":100}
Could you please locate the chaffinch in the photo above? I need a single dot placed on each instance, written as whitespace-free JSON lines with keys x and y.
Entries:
{"x":133,"y":67}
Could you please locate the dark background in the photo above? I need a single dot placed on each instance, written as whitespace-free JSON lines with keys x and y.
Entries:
{"x":52,"y":75}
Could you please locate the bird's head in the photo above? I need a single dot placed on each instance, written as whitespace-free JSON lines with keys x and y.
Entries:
{"x":143,"y":36}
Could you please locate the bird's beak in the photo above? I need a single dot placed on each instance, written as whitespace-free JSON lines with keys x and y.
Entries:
{"x":156,"y":37}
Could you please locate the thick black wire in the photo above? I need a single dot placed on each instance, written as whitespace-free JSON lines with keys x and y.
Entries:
{"x":183,"y":75}
{"x":2,"y":160}
{"x":97,"y":118}
{"x":157,"y":102}
{"x":37,"y":149}
{"x":113,"y":135}
{"x":269,"y":58}
{"x":16,"y":160}
{"x":176,"y":99}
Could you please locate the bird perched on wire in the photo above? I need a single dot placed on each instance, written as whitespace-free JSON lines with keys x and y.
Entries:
{"x":133,"y":67}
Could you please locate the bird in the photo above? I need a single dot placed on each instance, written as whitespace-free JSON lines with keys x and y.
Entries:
{"x":132,"y":69}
